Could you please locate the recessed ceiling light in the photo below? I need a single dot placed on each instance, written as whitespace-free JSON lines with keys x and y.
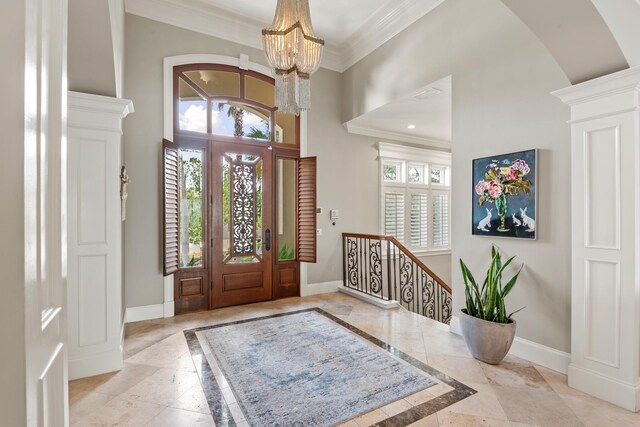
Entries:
{"x":411,"y":127}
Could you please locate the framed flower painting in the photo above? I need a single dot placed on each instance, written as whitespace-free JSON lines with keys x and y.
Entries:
{"x":504,"y":195}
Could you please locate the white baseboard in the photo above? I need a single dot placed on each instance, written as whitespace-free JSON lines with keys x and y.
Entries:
{"x":169,"y":309}
{"x":620,"y":393}
{"x":145,"y":312}
{"x":366,"y":298}
{"x":96,"y":364}
{"x":537,"y":353}
{"x":158,"y":311}
{"x":454,"y":325}
{"x":320,"y":288}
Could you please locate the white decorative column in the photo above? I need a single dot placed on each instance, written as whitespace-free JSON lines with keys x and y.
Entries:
{"x":605,"y":221}
{"x":95,"y":248}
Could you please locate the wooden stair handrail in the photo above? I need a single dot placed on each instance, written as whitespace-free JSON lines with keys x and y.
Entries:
{"x":404,"y":250}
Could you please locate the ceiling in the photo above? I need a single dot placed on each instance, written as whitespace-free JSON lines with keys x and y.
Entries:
{"x":333,"y":21}
{"x":430,"y":116}
{"x":352,"y":29}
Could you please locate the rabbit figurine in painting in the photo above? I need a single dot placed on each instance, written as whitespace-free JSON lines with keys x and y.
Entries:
{"x":486,"y":221}
{"x":528,"y":221}
{"x":516,"y":221}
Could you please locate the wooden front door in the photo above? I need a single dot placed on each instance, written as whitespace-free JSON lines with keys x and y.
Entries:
{"x":242,"y":224}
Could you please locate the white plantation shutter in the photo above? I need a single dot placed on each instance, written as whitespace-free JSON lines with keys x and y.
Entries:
{"x":394,"y":215}
{"x":419,"y":221}
{"x":440,"y":209}
{"x":416,"y":197}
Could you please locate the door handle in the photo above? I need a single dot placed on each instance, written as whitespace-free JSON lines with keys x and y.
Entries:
{"x":267,"y":239}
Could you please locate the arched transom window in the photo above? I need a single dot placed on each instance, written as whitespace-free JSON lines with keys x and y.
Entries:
{"x":225,"y":102}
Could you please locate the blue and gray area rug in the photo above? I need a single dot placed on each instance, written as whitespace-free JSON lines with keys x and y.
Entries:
{"x":304,"y":369}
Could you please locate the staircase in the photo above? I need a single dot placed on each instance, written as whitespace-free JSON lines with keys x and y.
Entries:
{"x":383,"y":268}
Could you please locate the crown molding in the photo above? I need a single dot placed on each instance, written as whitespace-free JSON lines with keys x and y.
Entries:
{"x":601,"y":87}
{"x":97,"y":112}
{"x":214,"y":22}
{"x":100,"y":104}
{"x":382,"y":26}
{"x":397,"y":136}
{"x":388,"y":150}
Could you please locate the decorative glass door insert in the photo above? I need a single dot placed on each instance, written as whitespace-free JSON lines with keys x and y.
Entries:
{"x":242,"y":199}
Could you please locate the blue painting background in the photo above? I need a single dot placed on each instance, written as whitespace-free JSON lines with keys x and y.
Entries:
{"x":514,"y":203}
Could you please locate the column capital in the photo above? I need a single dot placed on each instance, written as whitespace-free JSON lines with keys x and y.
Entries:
{"x":605,"y":96}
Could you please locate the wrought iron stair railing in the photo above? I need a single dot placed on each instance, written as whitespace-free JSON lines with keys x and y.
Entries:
{"x":382,"y":267}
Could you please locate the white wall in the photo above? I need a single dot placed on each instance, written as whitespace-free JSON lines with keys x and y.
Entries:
{"x":12,"y":261}
{"x":502,"y":77}
{"x":439,"y":264}
{"x":91,"y":57}
{"x":575,"y":34}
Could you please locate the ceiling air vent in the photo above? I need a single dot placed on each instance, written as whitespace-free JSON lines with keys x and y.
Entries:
{"x":427,"y":93}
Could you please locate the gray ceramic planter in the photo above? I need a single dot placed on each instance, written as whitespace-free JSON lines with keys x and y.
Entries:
{"x":487,"y":341}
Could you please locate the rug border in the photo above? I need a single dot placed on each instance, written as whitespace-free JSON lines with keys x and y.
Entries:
{"x":222,"y":414}
{"x":361,"y":411}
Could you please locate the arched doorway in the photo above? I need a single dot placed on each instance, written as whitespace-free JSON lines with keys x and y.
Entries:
{"x":239,"y":201}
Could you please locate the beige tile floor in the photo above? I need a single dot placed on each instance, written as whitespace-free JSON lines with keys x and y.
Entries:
{"x":159,"y":385}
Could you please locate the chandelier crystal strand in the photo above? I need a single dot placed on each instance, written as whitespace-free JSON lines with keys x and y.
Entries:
{"x":294,"y":53}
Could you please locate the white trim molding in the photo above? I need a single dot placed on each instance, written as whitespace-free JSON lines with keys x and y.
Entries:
{"x":169,"y":305}
{"x":402,"y":152}
{"x":215,"y":22}
{"x":605,"y":272}
{"x":96,"y":112}
{"x":397,"y":136}
{"x":319,"y":288}
{"x":94,"y":230}
{"x":194,"y":15}
{"x":536,"y":353}
{"x":382,"y":26}
{"x":384,"y":304}
{"x":600,"y":89}
{"x":145,"y":312}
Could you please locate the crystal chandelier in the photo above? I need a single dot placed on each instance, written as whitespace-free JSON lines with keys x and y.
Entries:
{"x":294,"y":53}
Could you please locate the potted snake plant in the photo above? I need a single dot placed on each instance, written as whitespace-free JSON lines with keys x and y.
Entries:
{"x":486,"y":327}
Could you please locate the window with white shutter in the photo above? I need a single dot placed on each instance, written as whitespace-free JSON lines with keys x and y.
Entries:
{"x":441,"y":217}
{"x":419,"y":218}
{"x":394,"y":215}
{"x":416,"y":197}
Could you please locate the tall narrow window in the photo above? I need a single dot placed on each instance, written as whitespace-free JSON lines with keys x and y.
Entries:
{"x":441,"y":215}
{"x":286,"y":209}
{"x":394,"y":215}
{"x":190,"y":190}
{"x":419,"y":221}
